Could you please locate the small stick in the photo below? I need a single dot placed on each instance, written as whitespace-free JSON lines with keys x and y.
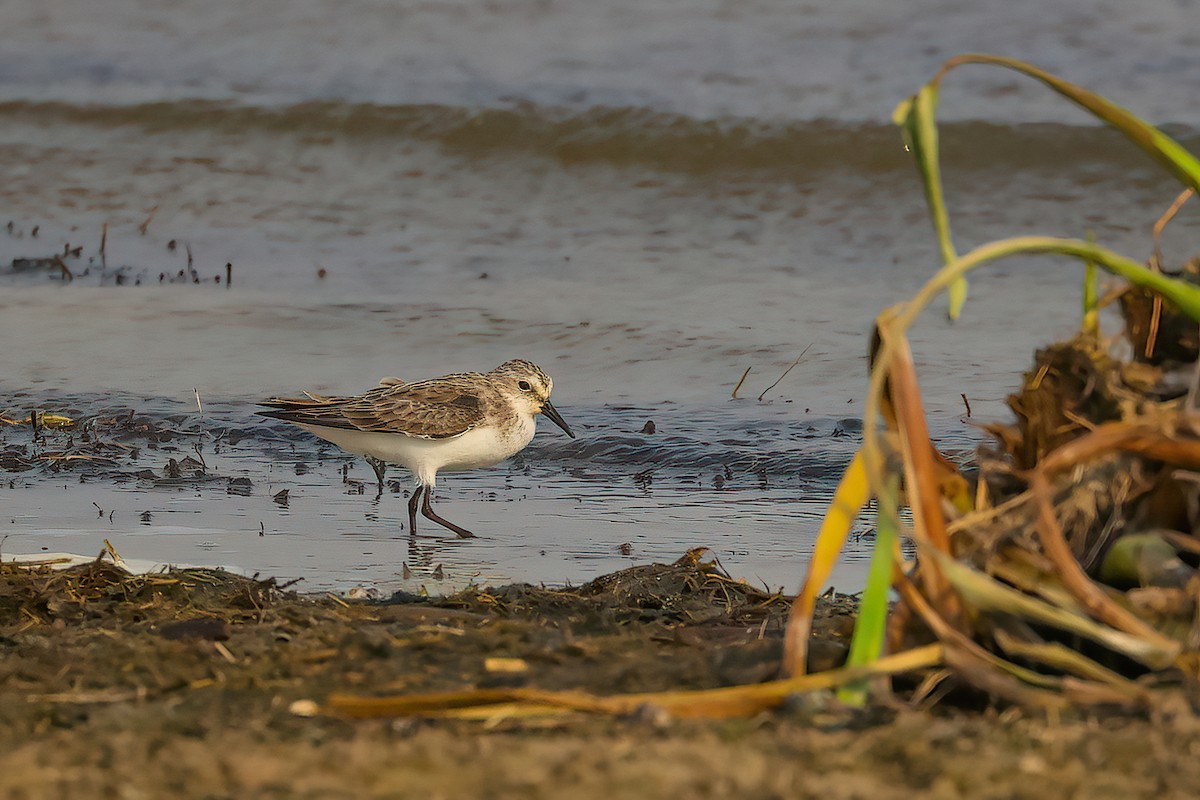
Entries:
{"x":62,"y":265}
{"x":103,"y":245}
{"x":146,"y":223}
{"x":228,"y":274}
{"x":200,"y":408}
{"x":966,"y":403}
{"x":1167,"y":216}
{"x":1156,"y":311}
{"x":739,"y":383}
{"x":785,"y":372}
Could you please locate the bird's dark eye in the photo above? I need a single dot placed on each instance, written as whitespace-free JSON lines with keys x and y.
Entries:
{"x":524,"y":386}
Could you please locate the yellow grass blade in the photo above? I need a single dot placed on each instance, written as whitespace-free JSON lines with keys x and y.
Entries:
{"x":984,"y":593}
{"x":1060,"y":657}
{"x":848,"y":500}
{"x":725,"y":702}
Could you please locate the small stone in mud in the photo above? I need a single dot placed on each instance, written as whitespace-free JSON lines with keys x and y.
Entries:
{"x":651,"y":715}
{"x":438,"y":573}
{"x":649,"y":427}
{"x":214,"y":630}
{"x":625,"y":548}
{"x":304,"y":708}
{"x":281,"y":498}
{"x":192,"y":464}
{"x":240,"y":486}
{"x":172,"y":470}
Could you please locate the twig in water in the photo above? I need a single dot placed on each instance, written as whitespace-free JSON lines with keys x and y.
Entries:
{"x":228,"y":274}
{"x":104,"y":245}
{"x":739,"y":383}
{"x":62,"y":265}
{"x":146,"y":223}
{"x":966,"y":403}
{"x":200,"y":408}
{"x":785,"y":372}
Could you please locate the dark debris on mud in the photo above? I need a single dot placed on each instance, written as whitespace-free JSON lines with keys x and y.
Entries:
{"x":183,"y":684}
{"x":210,"y":642}
{"x":156,"y":450}
{"x":689,"y":591}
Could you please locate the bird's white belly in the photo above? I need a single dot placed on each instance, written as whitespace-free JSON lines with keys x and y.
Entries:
{"x":479,"y":447}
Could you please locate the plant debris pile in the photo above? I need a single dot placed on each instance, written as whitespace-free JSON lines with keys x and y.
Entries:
{"x":1083,"y":539}
{"x":688,"y":591}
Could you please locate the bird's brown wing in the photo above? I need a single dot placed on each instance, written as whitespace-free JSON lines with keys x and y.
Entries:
{"x":426,"y":410}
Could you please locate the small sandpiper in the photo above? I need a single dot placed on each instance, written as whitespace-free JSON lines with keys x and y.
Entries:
{"x":456,"y":422}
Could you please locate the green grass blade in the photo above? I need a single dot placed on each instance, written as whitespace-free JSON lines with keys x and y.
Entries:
{"x":869,"y":629}
{"x":1091,"y":297}
{"x":1162,"y":148}
{"x":1184,"y":295}
{"x":916,"y":118}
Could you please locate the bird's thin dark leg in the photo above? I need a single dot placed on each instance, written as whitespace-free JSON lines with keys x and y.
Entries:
{"x":380,"y":468}
{"x":412,"y":509}
{"x":427,"y":510}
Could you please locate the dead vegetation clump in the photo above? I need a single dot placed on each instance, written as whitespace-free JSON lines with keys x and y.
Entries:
{"x":690,"y":590}
{"x":103,"y":593}
{"x":1077,"y":566}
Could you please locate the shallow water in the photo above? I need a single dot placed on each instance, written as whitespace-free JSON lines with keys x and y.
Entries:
{"x":645,"y":199}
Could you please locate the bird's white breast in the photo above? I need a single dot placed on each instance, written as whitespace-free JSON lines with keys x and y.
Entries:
{"x":478,"y":447}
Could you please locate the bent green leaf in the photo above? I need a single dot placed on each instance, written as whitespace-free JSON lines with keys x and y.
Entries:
{"x":916,"y":118}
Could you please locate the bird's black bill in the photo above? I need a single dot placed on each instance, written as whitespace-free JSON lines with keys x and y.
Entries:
{"x":552,"y":414}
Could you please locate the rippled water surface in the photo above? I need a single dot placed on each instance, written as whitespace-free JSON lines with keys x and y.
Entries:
{"x":647,"y":199}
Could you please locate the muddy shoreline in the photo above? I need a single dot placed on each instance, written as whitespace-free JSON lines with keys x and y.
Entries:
{"x":187,"y":683}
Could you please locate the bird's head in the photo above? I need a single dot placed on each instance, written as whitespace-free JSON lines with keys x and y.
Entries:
{"x":531,"y":387}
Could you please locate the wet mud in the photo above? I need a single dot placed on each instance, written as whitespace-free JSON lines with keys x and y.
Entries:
{"x":187,"y":683}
